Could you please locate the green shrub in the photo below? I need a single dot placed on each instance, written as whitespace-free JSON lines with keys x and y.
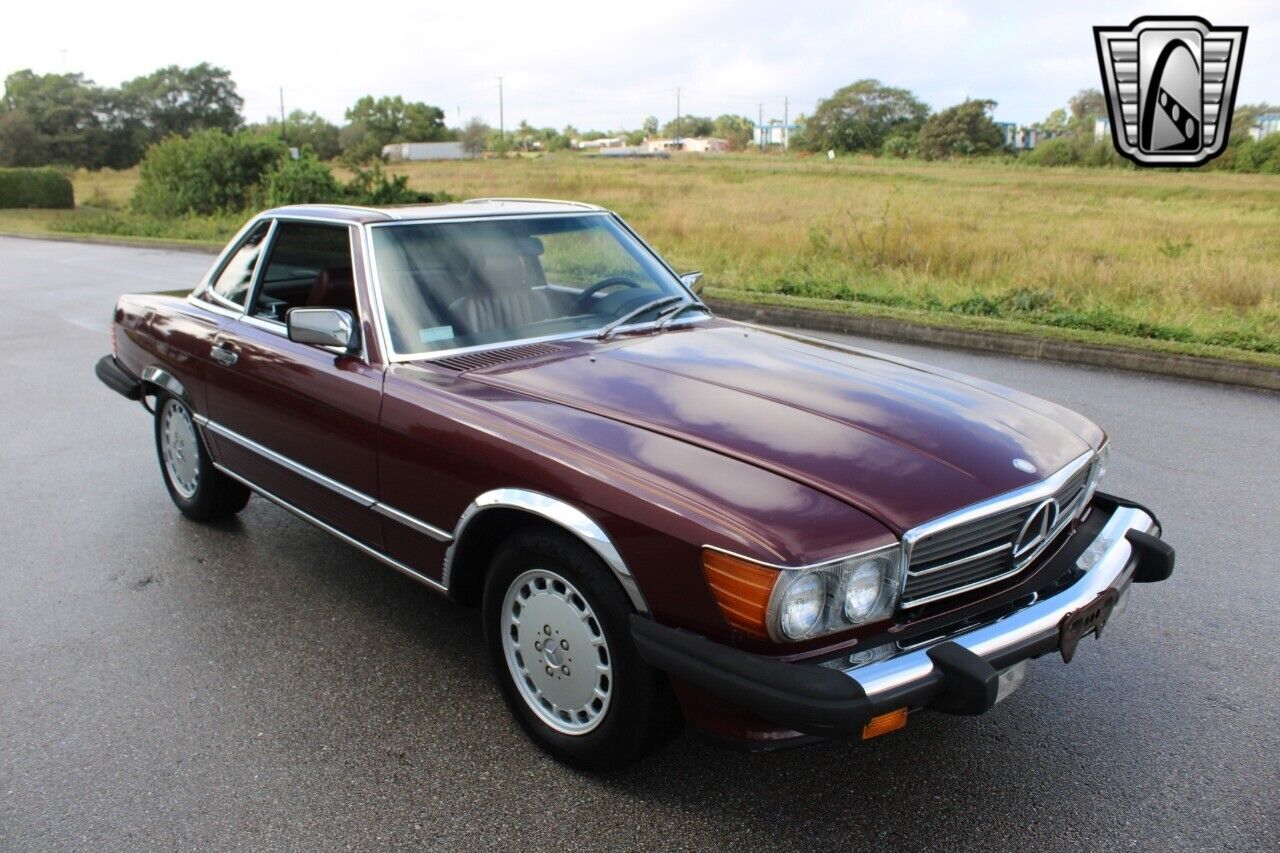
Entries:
{"x":964,"y":130}
{"x":1073,"y":151}
{"x":1060,"y":151}
{"x":208,"y":172}
{"x":896,"y":146}
{"x":1258,"y":156}
{"x":371,"y":185}
{"x":35,"y":188}
{"x":302,"y":181}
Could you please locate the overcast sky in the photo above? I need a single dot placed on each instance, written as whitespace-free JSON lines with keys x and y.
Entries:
{"x":609,"y":63}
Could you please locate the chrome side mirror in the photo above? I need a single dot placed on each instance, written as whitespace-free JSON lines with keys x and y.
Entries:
{"x":323,"y":327}
{"x":693,"y":281}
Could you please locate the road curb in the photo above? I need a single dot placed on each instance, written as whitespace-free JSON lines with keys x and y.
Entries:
{"x":130,"y":242}
{"x":1026,"y":346}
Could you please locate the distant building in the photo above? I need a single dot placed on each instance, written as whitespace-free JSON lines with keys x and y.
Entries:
{"x":1101,"y":129}
{"x":658,"y":145}
{"x":774,"y":133}
{"x":607,"y":142}
{"x":1265,"y":126}
{"x":705,"y":144}
{"x":424,"y":151}
{"x":635,"y":151}
{"x":1019,"y":138}
{"x":693,"y":144}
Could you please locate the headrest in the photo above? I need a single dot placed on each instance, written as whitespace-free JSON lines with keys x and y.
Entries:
{"x":501,"y":273}
{"x":333,"y":288}
{"x":489,"y":247}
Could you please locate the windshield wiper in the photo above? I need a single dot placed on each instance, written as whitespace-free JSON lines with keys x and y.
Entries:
{"x":631,"y":315}
{"x":670,"y":316}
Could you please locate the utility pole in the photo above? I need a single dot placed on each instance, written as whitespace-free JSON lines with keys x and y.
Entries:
{"x":283,"y":133}
{"x":502,"y":126}
{"x":785,"y":124}
{"x":760,"y":124}
{"x":678,"y":128}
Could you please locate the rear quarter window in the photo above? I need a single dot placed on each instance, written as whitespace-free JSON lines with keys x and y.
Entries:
{"x":233,"y":280}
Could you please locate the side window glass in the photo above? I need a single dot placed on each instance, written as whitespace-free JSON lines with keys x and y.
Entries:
{"x":235,"y":277}
{"x":309,"y":266}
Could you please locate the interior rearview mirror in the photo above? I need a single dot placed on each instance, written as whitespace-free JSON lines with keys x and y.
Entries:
{"x":693,"y":281}
{"x":325,"y":327}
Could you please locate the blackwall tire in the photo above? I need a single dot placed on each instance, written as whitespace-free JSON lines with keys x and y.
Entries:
{"x":555,"y":622}
{"x":198,"y":489}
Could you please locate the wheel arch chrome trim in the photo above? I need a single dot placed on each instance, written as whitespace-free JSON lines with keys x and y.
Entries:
{"x":560,"y":513}
{"x":161,"y":378}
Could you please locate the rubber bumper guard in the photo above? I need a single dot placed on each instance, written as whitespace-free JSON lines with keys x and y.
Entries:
{"x":808,"y":698}
{"x":812,"y":699}
{"x":117,"y":378}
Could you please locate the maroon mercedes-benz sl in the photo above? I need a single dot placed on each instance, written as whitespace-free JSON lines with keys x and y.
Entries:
{"x":657,"y":512}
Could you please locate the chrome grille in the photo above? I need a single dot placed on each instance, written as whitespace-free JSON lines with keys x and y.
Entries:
{"x":947,"y":558}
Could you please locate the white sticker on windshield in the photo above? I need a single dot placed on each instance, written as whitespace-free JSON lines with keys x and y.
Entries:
{"x":435,"y":333}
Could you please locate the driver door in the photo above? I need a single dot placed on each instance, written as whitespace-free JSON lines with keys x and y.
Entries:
{"x":297,"y":420}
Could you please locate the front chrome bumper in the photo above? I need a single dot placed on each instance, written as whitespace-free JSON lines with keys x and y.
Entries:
{"x":1108,"y":563}
{"x":958,"y":672}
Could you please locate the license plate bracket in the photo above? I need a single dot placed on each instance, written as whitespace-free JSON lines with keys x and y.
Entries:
{"x":1090,"y":619}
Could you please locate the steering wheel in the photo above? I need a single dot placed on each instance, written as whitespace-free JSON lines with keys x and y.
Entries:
{"x":581,"y":303}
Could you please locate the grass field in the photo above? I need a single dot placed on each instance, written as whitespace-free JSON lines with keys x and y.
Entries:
{"x":1187,"y":260}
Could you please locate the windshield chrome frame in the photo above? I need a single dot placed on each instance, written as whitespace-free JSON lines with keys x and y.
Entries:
{"x":382,"y":324}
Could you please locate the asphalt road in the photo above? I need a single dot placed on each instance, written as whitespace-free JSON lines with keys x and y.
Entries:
{"x":258,"y":685}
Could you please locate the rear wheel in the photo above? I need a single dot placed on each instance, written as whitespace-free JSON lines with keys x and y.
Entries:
{"x":556,"y":626}
{"x":199,"y":490}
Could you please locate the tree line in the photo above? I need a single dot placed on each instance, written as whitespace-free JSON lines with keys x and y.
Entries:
{"x":67,"y":119}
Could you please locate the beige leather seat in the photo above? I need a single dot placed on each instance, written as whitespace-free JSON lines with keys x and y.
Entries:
{"x":499,"y":289}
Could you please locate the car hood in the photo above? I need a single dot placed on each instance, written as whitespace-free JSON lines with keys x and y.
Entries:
{"x":901,"y":442}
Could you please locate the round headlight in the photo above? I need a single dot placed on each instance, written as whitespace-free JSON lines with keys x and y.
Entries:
{"x":801,"y":605}
{"x":862,"y":591}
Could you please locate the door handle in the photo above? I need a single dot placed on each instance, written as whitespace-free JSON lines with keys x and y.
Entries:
{"x":224,"y":354}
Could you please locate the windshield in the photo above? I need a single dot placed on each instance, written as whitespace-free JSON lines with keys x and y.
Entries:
{"x":448,"y":285}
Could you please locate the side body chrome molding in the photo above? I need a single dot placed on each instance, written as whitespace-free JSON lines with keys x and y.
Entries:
{"x":412,"y":522}
{"x":283,"y":461}
{"x":562,"y":514}
{"x":328,"y":528}
{"x":354,"y":495}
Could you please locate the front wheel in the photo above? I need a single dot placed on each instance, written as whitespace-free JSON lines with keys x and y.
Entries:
{"x":555,"y":622}
{"x":198,"y":489}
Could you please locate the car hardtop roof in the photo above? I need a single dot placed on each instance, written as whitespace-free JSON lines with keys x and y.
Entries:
{"x":475,"y":207}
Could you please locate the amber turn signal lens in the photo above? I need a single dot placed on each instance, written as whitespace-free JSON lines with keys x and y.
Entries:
{"x":742,"y":590}
{"x":885,"y":723}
